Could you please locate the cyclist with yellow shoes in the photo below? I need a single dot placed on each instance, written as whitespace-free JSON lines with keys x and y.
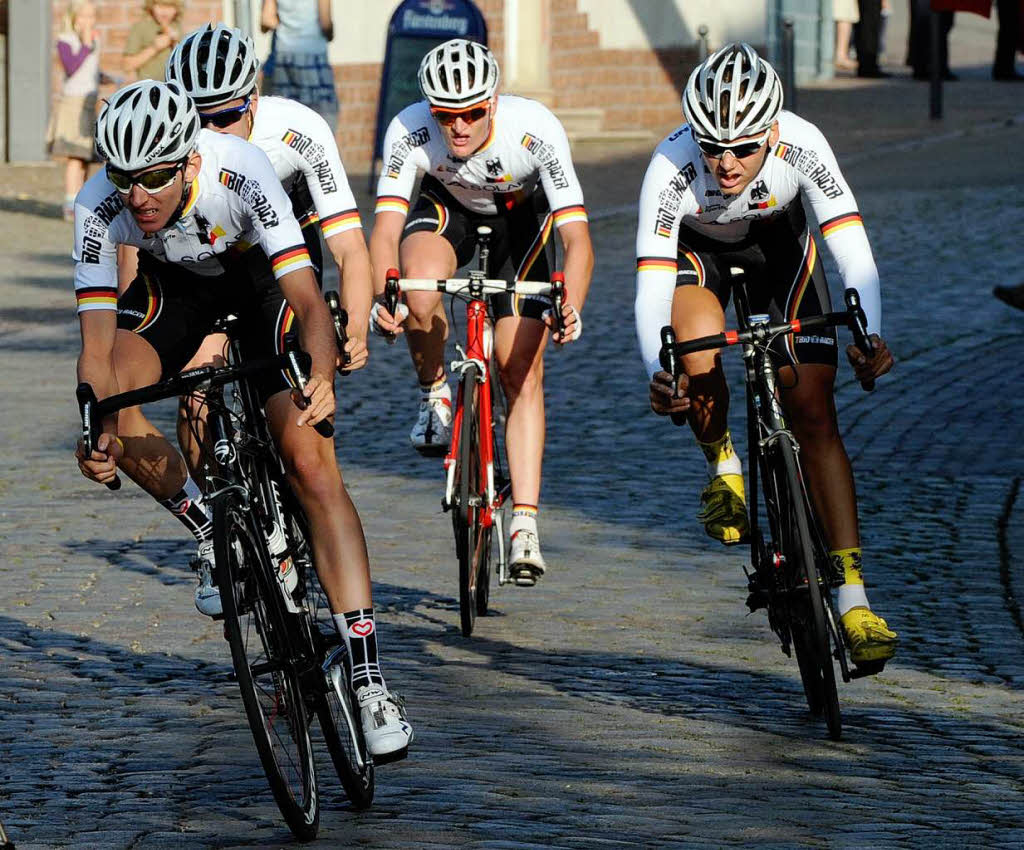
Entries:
{"x":723,"y":191}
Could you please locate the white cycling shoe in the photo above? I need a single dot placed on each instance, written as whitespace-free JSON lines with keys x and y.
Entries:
{"x":525,"y":562}
{"x":433,"y":429}
{"x":387,"y":732}
{"x":207,"y":593}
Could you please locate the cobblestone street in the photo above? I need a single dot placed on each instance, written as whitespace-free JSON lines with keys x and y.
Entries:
{"x":628,"y":700}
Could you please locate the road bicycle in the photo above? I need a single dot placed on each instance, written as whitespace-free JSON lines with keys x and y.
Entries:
{"x":289,"y":662}
{"x":477,"y":485}
{"x":792,"y":575}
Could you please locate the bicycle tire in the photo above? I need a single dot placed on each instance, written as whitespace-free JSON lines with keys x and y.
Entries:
{"x":812,"y":637}
{"x":472,"y":539}
{"x":257,"y":632}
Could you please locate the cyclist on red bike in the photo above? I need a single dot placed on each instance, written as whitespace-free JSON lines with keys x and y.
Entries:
{"x":725,"y":191}
{"x":503,"y":162}
{"x":202,"y":207}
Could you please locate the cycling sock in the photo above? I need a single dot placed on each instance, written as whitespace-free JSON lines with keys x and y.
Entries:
{"x":188,"y":506}
{"x":851,"y":592}
{"x":360,"y":634}
{"x":524,"y":518}
{"x":721,"y":456}
{"x":437,"y":389}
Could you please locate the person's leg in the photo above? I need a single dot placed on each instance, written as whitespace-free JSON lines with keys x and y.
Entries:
{"x":1004,"y":67}
{"x":519,"y":350}
{"x":74,"y":179}
{"x":810,"y":411}
{"x":191,"y":409}
{"x":867,"y":44}
{"x":342,"y":563}
{"x":842,"y":53}
{"x":428,"y":255}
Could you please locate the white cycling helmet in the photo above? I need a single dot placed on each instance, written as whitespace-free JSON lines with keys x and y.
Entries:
{"x":214,"y":64}
{"x":458,"y":73}
{"x":731,"y":94}
{"x":146,"y":123}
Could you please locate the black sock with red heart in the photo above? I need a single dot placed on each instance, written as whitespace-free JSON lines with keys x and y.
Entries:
{"x":360,"y":634}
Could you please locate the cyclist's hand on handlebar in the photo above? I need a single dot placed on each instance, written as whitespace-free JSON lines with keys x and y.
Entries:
{"x":101,"y":466}
{"x":668,"y":399}
{"x":572,"y":324}
{"x":868,"y":368}
{"x":319,"y":398}
{"x":383,"y":323}
{"x":358,"y":355}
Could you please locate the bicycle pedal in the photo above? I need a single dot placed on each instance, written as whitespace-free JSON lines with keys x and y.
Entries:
{"x":432,"y":451}
{"x":524,"y":575}
{"x":389,"y":758}
{"x":757,"y":599}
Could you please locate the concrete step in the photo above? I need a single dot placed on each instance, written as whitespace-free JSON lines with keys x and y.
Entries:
{"x":581,"y":119}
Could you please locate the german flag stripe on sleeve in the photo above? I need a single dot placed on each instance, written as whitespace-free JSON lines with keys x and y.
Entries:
{"x":841,"y":222}
{"x":308,"y":219}
{"x":289,"y":260}
{"x":656,"y":264}
{"x":564,"y":215}
{"x":96,"y":298}
{"x":392,"y":203}
{"x":340,"y":222}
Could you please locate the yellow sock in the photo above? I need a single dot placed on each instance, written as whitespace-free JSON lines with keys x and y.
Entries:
{"x":848,"y":561}
{"x":721,"y":456}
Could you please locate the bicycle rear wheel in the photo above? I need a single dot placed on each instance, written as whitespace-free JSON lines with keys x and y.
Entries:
{"x":472,"y":539}
{"x":257,"y":631}
{"x":812,"y":639}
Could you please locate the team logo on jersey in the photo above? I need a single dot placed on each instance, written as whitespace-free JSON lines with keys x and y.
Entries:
{"x":759,"y":191}
{"x":296,"y":140}
{"x":249,"y":191}
{"x":683,"y":178}
{"x":232,"y":179}
{"x":401,"y":149}
{"x":493,"y":166}
{"x":762,"y":205}
{"x":531,"y":143}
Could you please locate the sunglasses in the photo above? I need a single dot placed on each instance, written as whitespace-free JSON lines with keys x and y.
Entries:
{"x":447,"y":118}
{"x":224,"y":118}
{"x":740,"y":151}
{"x":150,"y":182}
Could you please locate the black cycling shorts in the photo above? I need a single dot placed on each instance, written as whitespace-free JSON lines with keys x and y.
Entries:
{"x":174,"y":310}
{"x":521,"y":245}
{"x":784,"y":279}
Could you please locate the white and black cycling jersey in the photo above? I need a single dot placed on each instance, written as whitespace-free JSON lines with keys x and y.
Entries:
{"x":527,"y":148}
{"x":235,"y":202}
{"x":681,"y":194}
{"x":303,"y":151}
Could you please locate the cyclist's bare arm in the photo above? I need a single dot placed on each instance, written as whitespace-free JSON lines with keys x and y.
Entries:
{"x":387,"y":233}
{"x":316,"y":336}
{"x":349,"y":251}
{"x":577,"y":267}
{"x":96,"y":367}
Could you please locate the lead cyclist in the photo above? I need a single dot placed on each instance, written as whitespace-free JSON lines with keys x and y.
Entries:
{"x":725,"y":190}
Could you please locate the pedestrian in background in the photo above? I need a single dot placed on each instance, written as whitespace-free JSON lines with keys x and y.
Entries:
{"x":73,"y":121}
{"x":846,"y":14}
{"x":152,"y":39}
{"x":868,"y":34}
{"x":919,"y":41}
{"x":297,"y":67}
{"x":1009,"y":39}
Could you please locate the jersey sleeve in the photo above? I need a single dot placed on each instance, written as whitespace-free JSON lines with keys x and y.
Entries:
{"x":314,"y":153}
{"x":835,"y":208}
{"x":557,"y":173}
{"x":270,"y":213}
{"x":665,"y":198}
{"x":404,"y":159}
{"x":95,"y":247}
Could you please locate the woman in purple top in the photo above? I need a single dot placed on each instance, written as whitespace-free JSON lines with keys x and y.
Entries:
{"x":71,"y":127}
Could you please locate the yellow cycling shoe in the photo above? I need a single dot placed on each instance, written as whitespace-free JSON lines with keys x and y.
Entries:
{"x":869,"y":636}
{"x":723,"y":509}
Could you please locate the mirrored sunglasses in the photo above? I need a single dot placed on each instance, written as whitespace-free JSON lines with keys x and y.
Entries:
{"x":740,"y":151}
{"x":225,"y":117}
{"x":447,"y":117}
{"x":149,"y":181}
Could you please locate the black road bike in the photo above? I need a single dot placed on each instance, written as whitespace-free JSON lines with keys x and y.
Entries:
{"x":792,"y":575}
{"x":290,"y":664}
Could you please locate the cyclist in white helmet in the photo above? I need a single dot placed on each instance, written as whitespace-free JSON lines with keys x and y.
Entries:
{"x":503,"y":162}
{"x":217,"y":67}
{"x":724,"y":190}
{"x":201,"y":207}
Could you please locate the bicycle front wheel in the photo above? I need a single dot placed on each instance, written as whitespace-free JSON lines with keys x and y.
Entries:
{"x":257,"y":631}
{"x":472,"y":539}
{"x":812,"y":639}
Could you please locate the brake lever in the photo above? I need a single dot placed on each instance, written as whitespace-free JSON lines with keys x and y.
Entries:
{"x":299,"y":363}
{"x":91,"y":429}
{"x":859,"y":328}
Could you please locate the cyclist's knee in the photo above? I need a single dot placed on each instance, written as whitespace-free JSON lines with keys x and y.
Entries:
{"x":313,"y":475}
{"x":522,"y":377}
